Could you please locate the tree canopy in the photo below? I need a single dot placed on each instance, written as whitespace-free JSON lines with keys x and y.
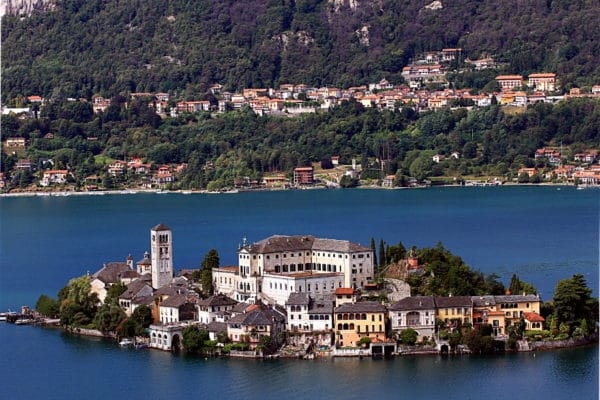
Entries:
{"x":109,"y":47}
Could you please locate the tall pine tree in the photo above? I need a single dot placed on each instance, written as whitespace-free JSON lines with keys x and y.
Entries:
{"x":211,"y":260}
{"x":374,"y":252}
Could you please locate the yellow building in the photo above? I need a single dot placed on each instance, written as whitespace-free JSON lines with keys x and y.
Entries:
{"x":452,"y":309}
{"x":503,"y":311}
{"x":353,"y":321}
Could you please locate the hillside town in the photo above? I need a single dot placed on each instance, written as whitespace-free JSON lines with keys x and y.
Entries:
{"x":428,"y":86}
{"x":301,"y":294}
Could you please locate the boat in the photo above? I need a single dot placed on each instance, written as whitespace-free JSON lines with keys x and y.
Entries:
{"x":24,"y":321}
{"x":126,"y":343}
{"x":140,"y":346}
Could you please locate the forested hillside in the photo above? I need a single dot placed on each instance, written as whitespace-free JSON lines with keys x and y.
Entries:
{"x":240,"y":143}
{"x":106,"y":47}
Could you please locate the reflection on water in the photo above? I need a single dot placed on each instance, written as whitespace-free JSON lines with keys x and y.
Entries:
{"x":50,"y":364}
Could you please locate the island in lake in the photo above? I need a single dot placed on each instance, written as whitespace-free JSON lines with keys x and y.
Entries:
{"x":306,"y":297}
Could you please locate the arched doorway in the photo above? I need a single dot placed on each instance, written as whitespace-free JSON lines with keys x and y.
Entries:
{"x":176,"y":343}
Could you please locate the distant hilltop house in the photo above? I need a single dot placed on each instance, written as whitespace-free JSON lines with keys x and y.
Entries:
{"x":54,"y":177}
{"x":546,"y":82}
{"x":16,"y":142}
{"x":509,"y":82}
{"x":588,"y":156}
{"x":482,"y":63}
{"x":552,"y":155}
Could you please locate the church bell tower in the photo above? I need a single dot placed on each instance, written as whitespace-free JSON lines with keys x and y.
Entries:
{"x":161,"y":248}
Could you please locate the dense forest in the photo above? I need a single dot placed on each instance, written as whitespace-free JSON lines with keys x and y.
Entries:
{"x":107,"y":47}
{"x":219,"y":148}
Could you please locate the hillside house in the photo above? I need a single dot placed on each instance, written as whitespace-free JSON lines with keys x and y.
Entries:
{"x":546,"y":82}
{"x":304,"y":176}
{"x":54,"y":177}
{"x":509,"y":82}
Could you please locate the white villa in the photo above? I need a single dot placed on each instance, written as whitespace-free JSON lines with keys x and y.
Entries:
{"x":274,"y":267}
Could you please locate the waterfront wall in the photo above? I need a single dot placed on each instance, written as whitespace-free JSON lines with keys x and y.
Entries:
{"x":91,"y":332}
{"x":558,"y":344}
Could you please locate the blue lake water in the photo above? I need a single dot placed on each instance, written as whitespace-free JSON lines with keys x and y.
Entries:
{"x":541,"y":233}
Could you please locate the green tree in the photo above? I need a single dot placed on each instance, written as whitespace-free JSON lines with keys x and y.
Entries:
{"x":395,"y":253}
{"x":266,"y":344}
{"x":572,"y":300}
{"x":78,"y":305}
{"x":523,"y":177}
{"x":47,"y":306}
{"x":142,"y":317}
{"x":518,"y":286}
{"x":211,"y":260}
{"x":194,"y":338}
{"x":114,"y":291}
{"x":382,"y":255}
{"x":347,"y":181}
{"x":374,"y":251}
{"x":583,"y":326}
{"x":409,"y":336}
{"x":108,"y":317}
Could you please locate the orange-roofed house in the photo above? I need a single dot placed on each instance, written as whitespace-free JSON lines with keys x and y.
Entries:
{"x":509,"y":82}
{"x":529,"y":171}
{"x":545,"y":82}
{"x":35,"y":99}
{"x":533,"y":321}
{"x":345,"y":295}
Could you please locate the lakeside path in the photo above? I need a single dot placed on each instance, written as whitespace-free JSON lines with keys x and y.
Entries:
{"x":59,"y":193}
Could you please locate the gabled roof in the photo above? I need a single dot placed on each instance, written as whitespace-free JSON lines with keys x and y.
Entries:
{"x":145,"y":300}
{"x":217,"y":300}
{"x":414,"y":303}
{"x":453,"y":301}
{"x":533,"y":317}
{"x":258,"y":316}
{"x":517,"y":298}
{"x":176,"y":300}
{"x":363,"y":306}
{"x":111,"y":272}
{"x":483,"y":301}
{"x":161,"y":227}
{"x":240,"y":307}
{"x":279,"y":243}
{"x":146,"y":260}
{"x":134,"y":288}
{"x":216,"y":327}
{"x":321,"y":306}
{"x":342,"y":291}
{"x":298,"y":299}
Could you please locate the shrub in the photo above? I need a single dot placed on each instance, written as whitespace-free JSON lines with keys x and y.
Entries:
{"x":409,"y":336}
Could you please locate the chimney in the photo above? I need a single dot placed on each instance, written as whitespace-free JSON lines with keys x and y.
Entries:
{"x":507,"y":292}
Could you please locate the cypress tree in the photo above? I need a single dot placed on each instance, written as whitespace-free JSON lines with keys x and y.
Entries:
{"x":374,"y":252}
{"x":382,"y":259}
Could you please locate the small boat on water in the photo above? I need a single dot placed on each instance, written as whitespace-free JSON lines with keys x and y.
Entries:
{"x":24,"y":321}
{"x":126,"y":343}
{"x":141,"y":346}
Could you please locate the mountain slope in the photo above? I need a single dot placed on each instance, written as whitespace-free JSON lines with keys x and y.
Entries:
{"x":84,"y":47}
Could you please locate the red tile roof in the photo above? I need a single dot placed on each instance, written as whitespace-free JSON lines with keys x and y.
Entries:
{"x":344,"y":291}
{"x":533,"y":317}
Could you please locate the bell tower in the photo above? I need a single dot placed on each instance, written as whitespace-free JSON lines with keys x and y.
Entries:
{"x":161,"y":248}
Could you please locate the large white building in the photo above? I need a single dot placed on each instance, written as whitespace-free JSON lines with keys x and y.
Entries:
{"x":274,"y":267}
